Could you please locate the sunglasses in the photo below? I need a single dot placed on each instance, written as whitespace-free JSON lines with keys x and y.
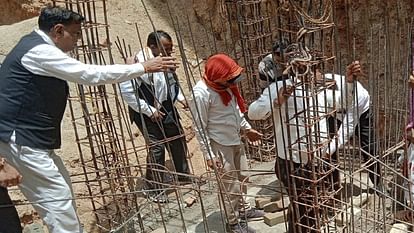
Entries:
{"x":236,"y":79}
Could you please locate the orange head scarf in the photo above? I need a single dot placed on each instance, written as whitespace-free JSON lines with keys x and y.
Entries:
{"x":221,"y":68}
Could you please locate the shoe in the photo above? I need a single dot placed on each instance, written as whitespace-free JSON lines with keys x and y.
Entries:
{"x":156,"y":196}
{"x":168,"y":179}
{"x":241,"y":227}
{"x":252,"y":214}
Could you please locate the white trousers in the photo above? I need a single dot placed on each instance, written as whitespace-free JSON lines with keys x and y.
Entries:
{"x":233,"y":161}
{"x":46,"y":183}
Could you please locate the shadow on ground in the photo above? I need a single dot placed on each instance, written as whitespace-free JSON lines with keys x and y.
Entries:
{"x":214,"y":222}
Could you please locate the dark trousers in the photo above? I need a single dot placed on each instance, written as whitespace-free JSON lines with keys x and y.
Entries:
{"x":366,"y":136}
{"x":158,"y":132}
{"x":9,"y":219}
{"x":301,"y":215}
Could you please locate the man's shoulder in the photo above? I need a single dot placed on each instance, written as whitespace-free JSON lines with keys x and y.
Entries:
{"x":28,"y":41}
{"x":201,"y":89}
{"x":334,"y":76}
{"x":272,"y":87}
{"x":144,"y":54}
{"x":34,"y":38}
{"x":339,"y":79}
{"x":275,"y":86}
{"x":200,"y":86}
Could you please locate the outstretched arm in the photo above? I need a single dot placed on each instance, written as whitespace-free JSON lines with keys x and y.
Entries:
{"x":274,"y":94}
{"x":47,"y":60}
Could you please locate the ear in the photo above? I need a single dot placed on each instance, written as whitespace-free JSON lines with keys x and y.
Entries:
{"x":58,"y":31}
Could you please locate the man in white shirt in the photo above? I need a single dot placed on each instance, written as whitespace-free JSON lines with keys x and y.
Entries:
{"x":287,"y":103}
{"x":151,"y":100}
{"x":33,"y":95}
{"x":354,"y":118}
{"x":217,"y":108}
{"x":283,"y":98}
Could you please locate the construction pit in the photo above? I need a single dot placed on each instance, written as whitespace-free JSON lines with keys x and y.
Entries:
{"x":106,"y":155}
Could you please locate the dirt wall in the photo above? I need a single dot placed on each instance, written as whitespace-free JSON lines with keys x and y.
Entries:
{"x":13,"y":11}
{"x":353,"y":19}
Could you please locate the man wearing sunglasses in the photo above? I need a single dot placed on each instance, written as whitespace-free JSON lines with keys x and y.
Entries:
{"x":218,"y":108}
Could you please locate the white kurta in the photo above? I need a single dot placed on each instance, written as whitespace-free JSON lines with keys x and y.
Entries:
{"x":158,"y":80}
{"x":214,"y":120}
{"x":345,"y":97}
{"x":289,"y":127}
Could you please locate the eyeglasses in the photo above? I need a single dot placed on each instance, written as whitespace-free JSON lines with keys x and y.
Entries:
{"x":77,"y":34}
{"x":235,"y":79}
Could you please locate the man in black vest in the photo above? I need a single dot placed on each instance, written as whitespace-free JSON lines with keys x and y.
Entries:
{"x":33,"y":94}
{"x":151,"y":100}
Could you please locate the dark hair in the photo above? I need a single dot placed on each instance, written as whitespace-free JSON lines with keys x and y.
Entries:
{"x":280,"y":45}
{"x":155,"y":37}
{"x":52,"y":15}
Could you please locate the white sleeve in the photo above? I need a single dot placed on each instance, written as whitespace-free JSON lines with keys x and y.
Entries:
{"x":48,"y":60}
{"x":180,"y":96}
{"x":347,"y":128}
{"x":244,"y":124}
{"x":261,"y":108}
{"x":128,"y":91}
{"x":322,"y":126}
{"x":199,"y":107}
{"x":345,"y":92}
{"x":349,"y":123}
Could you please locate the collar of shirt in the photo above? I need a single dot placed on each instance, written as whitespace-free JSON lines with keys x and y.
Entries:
{"x":45,"y":37}
{"x":159,"y":79}
{"x":145,"y":55}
